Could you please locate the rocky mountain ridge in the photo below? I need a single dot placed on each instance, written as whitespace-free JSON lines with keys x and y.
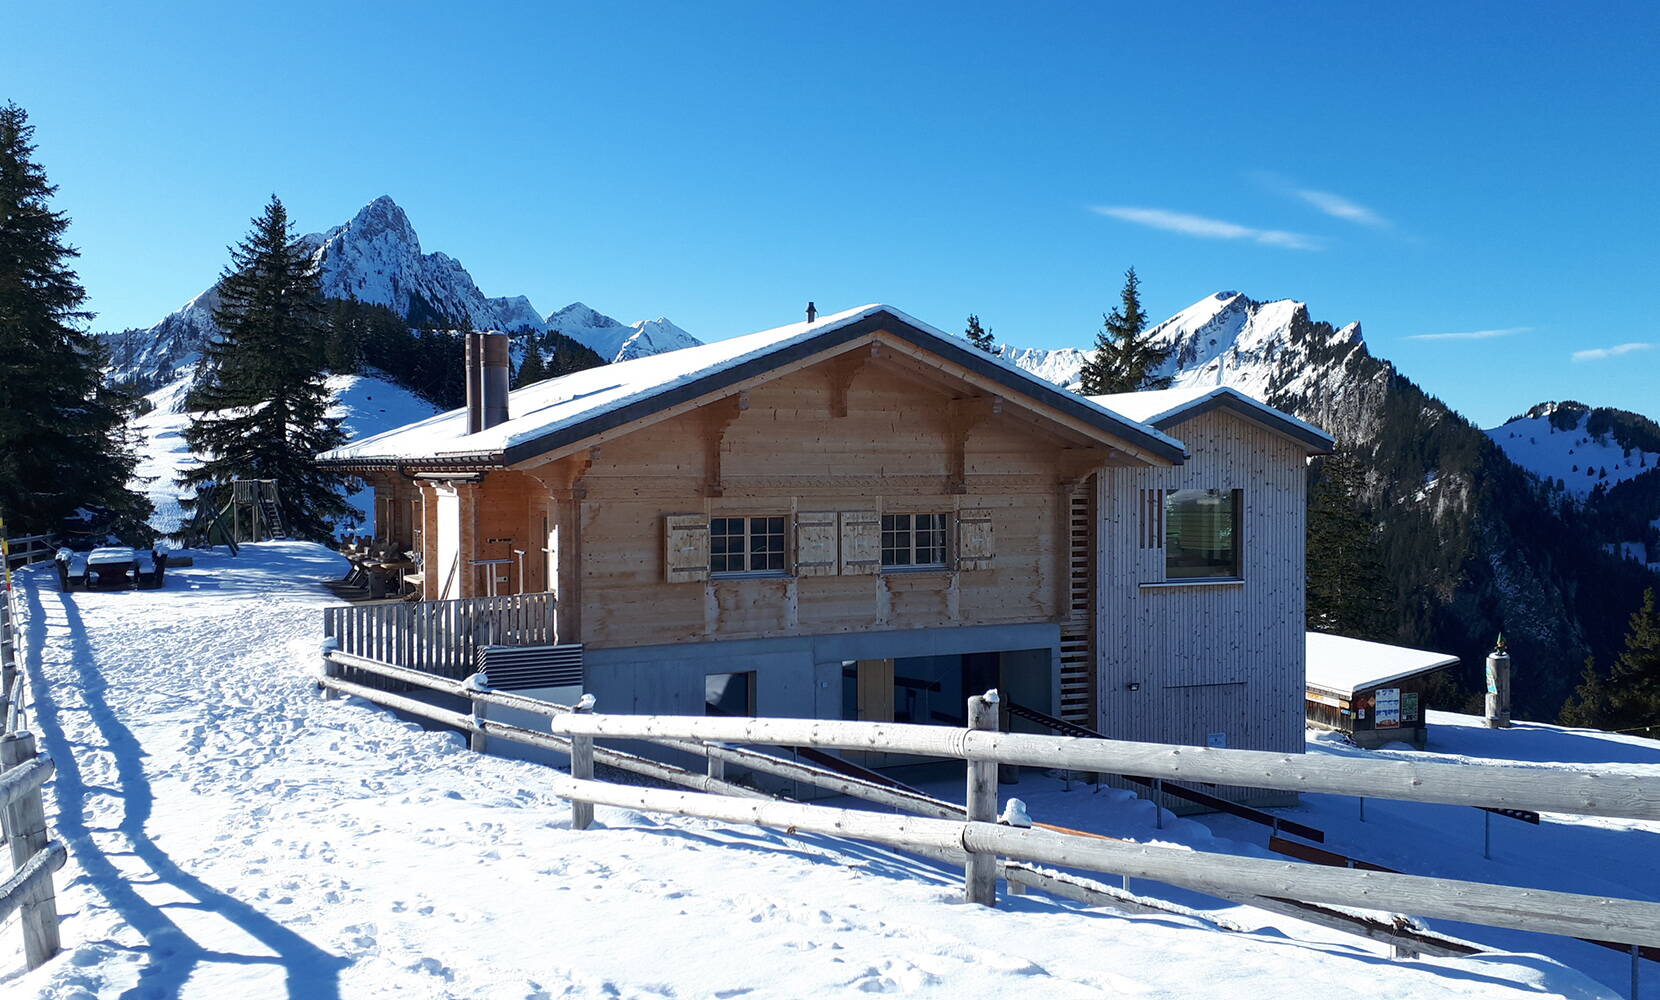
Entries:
{"x":376,"y":258}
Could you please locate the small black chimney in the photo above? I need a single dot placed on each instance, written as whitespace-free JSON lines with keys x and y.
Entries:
{"x":487,"y":377}
{"x":812,"y":312}
{"x":475,"y":382}
{"x":494,"y":378}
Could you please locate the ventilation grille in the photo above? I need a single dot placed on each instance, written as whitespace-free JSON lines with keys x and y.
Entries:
{"x":518,"y":668}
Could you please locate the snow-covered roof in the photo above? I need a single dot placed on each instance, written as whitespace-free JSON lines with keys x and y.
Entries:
{"x":565,"y":410}
{"x":1343,"y":666}
{"x":1164,"y":408}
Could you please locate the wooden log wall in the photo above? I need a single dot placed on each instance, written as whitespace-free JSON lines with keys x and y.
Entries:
{"x":900,"y":447}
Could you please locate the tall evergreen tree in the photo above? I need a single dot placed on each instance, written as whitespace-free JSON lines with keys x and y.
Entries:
{"x":259,"y":405}
{"x":63,"y":443}
{"x":531,"y":369}
{"x":1635,"y":680}
{"x":979,"y":336}
{"x":1124,"y":359}
{"x":1348,"y":587}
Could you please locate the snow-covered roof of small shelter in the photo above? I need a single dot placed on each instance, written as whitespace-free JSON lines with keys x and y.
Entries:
{"x":1164,"y":408}
{"x":558,"y":411}
{"x":1343,"y":666}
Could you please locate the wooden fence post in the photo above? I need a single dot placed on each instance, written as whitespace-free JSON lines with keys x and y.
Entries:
{"x":26,"y":827}
{"x":331,"y":643}
{"x":582,"y":768}
{"x":980,"y":870}
{"x":716,"y":765}
{"x":476,"y":740}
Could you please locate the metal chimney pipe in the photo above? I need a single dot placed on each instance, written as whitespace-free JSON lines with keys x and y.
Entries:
{"x":494,"y":378}
{"x":812,"y":312}
{"x":475,"y":382}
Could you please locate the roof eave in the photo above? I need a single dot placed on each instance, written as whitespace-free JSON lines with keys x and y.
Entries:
{"x":1314,"y":442}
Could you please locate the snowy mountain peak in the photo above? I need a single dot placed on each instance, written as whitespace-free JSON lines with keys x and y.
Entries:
{"x":1222,"y":339}
{"x":616,"y":341}
{"x":579,"y":315}
{"x":384,"y":219}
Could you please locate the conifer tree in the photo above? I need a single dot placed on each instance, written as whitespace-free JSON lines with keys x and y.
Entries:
{"x":979,"y":336}
{"x":63,"y":442}
{"x":259,"y":404}
{"x":1589,"y":706}
{"x":1124,"y":359}
{"x":1348,"y":587}
{"x":1634,"y":683}
{"x":532,"y":369}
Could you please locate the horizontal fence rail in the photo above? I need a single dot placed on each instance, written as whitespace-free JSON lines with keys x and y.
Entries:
{"x":1347,"y":900}
{"x":1571,"y":914}
{"x":1604,"y":792}
{"x":1193,"y":795}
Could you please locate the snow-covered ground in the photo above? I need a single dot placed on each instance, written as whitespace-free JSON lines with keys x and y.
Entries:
{"x":367,"y":404}
{"x":233,"y":835}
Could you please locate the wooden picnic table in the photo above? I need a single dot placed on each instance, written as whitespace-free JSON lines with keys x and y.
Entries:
{"x":112,"y":564}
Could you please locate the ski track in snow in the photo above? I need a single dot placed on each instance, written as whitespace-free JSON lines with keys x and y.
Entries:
{"x":233,"y":835}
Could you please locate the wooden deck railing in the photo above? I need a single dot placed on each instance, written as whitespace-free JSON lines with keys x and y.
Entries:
{"x":1323,"y":896}
{"x":440,"y":637}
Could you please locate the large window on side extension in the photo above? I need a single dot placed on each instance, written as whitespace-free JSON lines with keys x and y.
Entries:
{"x":913,"y":541}
{"x":1201,"y":535}
{"x":746,"y":545}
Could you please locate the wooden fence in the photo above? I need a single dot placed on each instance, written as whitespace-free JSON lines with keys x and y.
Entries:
{"x":944,"y":830}
{"x":35,"y":858}
{"x":23,"y":771}
{"x":26,"y":549}
{"x":439,"y":637}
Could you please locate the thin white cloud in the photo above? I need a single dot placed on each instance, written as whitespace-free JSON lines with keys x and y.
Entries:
{"x":1339,"y":207}
{"x":1508,"y":331}
{"x":1599,"y":353}
{"x":1207,"y":228}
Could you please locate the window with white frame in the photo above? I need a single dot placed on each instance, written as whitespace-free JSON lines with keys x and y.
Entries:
{"x":747,"y":544}
{"x":913,"y":541}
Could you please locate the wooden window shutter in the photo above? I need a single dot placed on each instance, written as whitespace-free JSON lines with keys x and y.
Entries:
{"x":861,"y":542}
{"x":975,"y":546}
{"x":815,"y":543}
{"x":685,"y":548}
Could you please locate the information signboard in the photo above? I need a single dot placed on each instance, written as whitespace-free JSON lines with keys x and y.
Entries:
{"x":1388,"y":709}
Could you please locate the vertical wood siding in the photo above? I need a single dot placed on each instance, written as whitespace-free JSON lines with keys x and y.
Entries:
{"x":1215,"y":657}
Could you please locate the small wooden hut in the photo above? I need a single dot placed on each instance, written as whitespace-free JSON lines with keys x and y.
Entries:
{"x":1372,"y":691}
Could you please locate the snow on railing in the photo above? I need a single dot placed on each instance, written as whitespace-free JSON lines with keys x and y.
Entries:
{"x":990,"y":850}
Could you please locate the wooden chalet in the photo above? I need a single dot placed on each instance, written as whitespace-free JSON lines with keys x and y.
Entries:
{"x":862,"y":517}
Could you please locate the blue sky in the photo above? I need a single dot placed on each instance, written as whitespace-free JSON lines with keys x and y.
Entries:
{"x":1481,"y":170}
